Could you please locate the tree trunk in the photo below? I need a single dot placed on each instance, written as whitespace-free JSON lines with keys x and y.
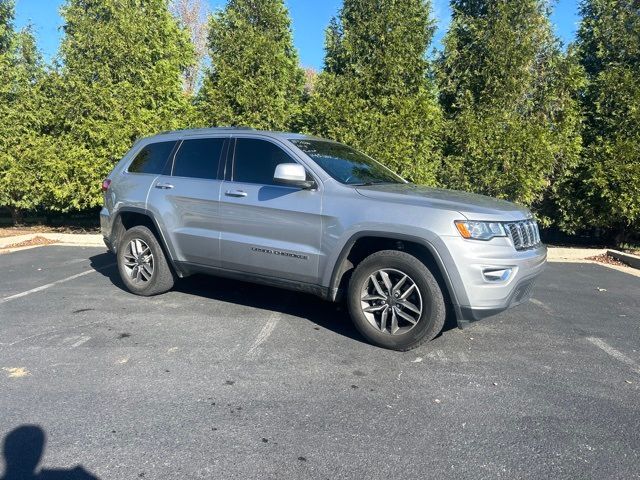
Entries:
{"x":16,"y":215}
{"x":621,"y":237}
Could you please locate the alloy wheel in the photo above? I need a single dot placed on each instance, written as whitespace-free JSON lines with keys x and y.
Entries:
{"x":391,"y":301}
{"x":138,"y":261}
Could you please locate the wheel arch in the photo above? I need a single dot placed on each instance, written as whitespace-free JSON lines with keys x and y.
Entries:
{"x":128,"y":217}
{"x":363,"y":244}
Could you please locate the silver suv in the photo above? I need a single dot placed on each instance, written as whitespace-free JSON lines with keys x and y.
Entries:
{"x":316,"y":216}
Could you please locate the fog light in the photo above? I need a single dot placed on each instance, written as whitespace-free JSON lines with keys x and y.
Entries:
{"x":496,"y":274}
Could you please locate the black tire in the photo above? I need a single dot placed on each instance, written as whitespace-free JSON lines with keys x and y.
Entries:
{"x":162,"y":277}
{"x":433,"y":313}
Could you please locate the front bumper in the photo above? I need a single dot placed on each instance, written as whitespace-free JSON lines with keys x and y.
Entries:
{"x":478,"y":296}
{"x":520,"y":294}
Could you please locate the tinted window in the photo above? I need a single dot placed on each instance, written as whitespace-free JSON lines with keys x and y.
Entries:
{"x":256,"y":160}
{"x":346,"y":164}
{"x":199,"y":158}
{"x":152,"y":158}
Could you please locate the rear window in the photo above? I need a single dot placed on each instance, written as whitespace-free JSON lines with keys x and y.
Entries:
{"x":152,"y":158}
{"x":199,"y":158}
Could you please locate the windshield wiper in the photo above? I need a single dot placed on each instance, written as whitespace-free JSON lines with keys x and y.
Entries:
{"x":370,"y":183}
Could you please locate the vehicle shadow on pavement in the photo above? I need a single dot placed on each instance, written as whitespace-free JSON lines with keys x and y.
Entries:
{"x":22,"y":450}
{"x":330,"y":316}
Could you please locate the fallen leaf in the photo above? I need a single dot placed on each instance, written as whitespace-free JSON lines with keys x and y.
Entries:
{"x":17,"y":372}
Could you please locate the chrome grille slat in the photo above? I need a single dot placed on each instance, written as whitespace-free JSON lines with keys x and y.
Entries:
{"x":531,"y":234}
{"x":524,"y":234}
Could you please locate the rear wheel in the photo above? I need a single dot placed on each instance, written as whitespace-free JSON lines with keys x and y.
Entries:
{"x":395,"y":301}
{"x":142,"y":264}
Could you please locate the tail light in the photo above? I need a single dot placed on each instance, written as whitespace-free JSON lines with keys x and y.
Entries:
{"x":106,"y":183}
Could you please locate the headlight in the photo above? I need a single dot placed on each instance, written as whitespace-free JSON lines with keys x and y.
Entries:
{"x":480,"y":230}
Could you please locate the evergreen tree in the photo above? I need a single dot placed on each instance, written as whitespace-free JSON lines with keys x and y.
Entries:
{"x":254,"y":79}
{"x":606,"y":190}
{"x":509,"y":94}
{"x":6,"y":24}
{"x":121,"y":78}
{"x":25,"y":155}
{"x":375,"y":93}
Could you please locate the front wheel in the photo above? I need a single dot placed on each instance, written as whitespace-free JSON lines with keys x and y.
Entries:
{"x":142,"y":264}
{"x":395,"y":301}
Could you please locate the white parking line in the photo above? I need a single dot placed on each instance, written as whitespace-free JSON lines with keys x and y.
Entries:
{"x":608,"y":349}
{"x":264,"y":334}
{"x":52,"y":284}
{"x":81,"y":341}
{"x":542,"y":305}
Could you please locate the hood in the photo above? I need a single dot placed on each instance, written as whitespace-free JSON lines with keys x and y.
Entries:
{"x":471,"y":205}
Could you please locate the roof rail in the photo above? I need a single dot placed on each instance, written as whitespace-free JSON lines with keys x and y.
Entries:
{"x":204,"y":129}
{"x":233,"y":127}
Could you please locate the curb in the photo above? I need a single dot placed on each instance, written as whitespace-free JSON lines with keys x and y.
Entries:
{"x":628,"y":258}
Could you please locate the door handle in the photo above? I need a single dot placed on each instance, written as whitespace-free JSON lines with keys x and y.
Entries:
{"x":164,"y":186}
{"x":235,"y":193}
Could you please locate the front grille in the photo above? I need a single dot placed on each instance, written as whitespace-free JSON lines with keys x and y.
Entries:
{"x":524,"y":234}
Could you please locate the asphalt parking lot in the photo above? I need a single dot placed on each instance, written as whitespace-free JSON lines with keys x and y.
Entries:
{"x":222,"y":379}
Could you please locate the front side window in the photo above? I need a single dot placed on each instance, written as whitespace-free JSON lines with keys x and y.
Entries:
{"x":199,"y":158}
{"x":152,"y":158}
{"x":255,"y":161}
{"x":345,"y":164}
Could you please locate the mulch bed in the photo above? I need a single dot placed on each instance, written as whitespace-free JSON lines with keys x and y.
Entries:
{"x":605,"y":258}
{"x":31,"y":243}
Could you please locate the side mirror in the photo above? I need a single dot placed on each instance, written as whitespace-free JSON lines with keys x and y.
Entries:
{"x":292,"y":175}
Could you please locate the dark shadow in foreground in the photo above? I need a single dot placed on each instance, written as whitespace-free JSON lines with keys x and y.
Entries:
{"x":23,"y":449}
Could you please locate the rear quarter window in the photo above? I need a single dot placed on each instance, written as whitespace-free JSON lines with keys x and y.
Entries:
{"x":152,"y":158}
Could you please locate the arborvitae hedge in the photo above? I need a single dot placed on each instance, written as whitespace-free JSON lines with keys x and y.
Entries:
{"x":504,"y":109}
{"x":254,"y":79}
{"x":119,"y":79}
{"x":509,"y":93}
{"x":605,"y":191}
{"x":375,"y":92}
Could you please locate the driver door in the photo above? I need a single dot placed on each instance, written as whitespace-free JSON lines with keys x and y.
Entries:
{"x":266,"y":228}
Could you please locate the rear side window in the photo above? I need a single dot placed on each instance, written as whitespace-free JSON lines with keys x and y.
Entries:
{"x":199,"y":158}
{"x":152,"y":158}
{"x":255,"y":161}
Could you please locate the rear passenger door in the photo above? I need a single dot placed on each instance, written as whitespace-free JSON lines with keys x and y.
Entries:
{"x":267,"y":228}
{"x":185,"y":200}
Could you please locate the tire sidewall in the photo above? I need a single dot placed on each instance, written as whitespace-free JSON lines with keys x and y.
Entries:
{"x":432,"y":318}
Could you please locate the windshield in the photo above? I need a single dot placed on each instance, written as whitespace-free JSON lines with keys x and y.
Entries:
{"x":346,"y":164}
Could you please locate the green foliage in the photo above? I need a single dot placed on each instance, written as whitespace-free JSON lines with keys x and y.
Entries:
{"x":254,"y":79}
{"x":509,"y":94}
{"x":121,"y":78}
{"x":25,"y":154}
{"x":6,"y":24}
{"x":513,"y":115}
{"x":606,"y":190}
{"x":375,"y":92}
